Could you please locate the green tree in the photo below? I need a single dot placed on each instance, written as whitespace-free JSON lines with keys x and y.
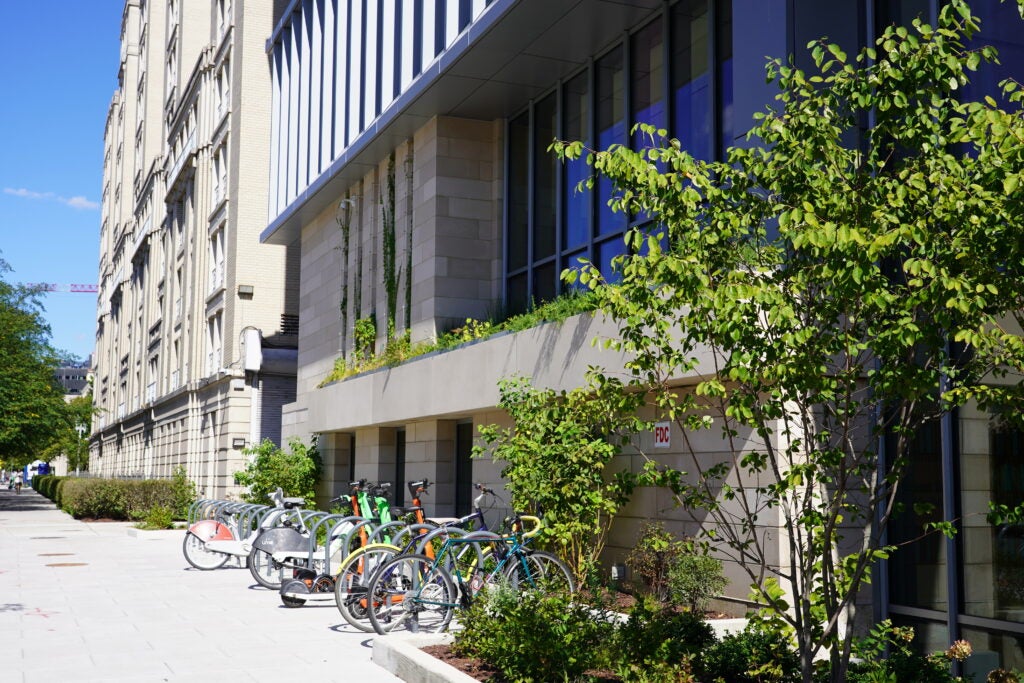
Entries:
{"x":557,"y":460}
{"x":31,"y":402}
{"x":70,"y":435}
{"x":296,"y":471}
{"x":822,"y":288}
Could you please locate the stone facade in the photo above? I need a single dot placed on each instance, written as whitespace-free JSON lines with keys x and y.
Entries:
{"x":185,"y":285}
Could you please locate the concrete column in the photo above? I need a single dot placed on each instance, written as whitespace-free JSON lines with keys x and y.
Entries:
{"x":336,"y":455}
{"x":456,"y":235}
{"x":430,"y":453}
{"x":375,"y":454}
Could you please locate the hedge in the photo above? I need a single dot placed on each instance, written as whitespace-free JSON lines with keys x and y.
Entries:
{"x":48,"y":485}
{"x":108,"y":498}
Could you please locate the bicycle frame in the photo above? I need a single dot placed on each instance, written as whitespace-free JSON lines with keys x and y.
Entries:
{"x":411,"y":587}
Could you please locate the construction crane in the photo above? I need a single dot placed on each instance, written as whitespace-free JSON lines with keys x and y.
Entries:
{"x":54,"y":287}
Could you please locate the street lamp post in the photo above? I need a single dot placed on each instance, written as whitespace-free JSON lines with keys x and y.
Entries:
{"x":80,"y":428}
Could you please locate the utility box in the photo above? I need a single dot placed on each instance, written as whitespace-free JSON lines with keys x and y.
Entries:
{"x":252,"y":349}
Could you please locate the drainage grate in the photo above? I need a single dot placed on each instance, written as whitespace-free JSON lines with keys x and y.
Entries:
{"x":45,"y":538}
{"x":54,"y":554}
{"x":67,"y":564}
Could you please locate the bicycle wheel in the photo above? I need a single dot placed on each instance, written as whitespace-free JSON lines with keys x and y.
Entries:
{"x":264,"y":569}
{"x":539,"y":569}
{"x":409,"y":592}
{"x":350,"y":586}
{"x":199,"y":556}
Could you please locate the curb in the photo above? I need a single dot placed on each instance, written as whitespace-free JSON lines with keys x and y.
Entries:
{"x":401,"y":655}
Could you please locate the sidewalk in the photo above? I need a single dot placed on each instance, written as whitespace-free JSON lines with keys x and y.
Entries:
{"x":94,"y":602}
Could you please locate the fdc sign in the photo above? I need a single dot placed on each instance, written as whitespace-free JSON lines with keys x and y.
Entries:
{"x":662,"y":435}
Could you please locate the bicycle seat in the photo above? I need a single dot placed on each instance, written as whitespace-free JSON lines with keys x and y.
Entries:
{"x":292,"y":503}
{"x":443,"y":521}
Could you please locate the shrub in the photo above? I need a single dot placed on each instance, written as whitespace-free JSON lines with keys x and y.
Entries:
{"x":658,"y":643}
{"x":530,"y":636}
{"x":183,"y":493}
{"x":297,"y":472}
{"x":142,"y":496}
{"x":44,"y":484}
{"x":58,"y":491}
{"x":113,"y":498}
{"x":904,"y":664}
{"x":560,"y":461}
{"x":159,"y":517}
{"x":651,"y":557}
{"x":95,"y":498}
{"x":754,"y":655}
{"x":1002,"y":676}
{"x":694,"y":578}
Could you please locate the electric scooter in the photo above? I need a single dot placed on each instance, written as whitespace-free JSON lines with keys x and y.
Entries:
{"x":314,"y":579}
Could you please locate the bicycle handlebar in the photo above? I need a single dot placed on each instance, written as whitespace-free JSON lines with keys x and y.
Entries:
{"x":418,"y":487}
{"x":522,"y":520}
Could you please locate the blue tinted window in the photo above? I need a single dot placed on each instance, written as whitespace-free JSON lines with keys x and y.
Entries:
{"x":1002,"y":29}
{"x":647,"y":84}
{"x":611,"y":129}
{"x":545,"y":169}
{"x":691,"y":85}
{"x":679,"y":86}
{"x":576,"y":202}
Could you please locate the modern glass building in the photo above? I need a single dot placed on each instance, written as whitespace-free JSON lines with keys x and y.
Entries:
{"x":410,"y":164}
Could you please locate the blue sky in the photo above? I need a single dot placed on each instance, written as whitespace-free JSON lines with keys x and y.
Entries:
{"x":58,"y":71}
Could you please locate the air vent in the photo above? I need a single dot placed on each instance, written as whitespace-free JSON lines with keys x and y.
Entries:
{"x":289,"y":323}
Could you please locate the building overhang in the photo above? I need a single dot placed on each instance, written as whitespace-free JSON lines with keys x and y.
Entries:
{"x":513,"y":53}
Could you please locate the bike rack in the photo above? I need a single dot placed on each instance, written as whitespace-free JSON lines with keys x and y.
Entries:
{"x":423,"y":528}
{"x":336,"y":522}
{"x":381,"y":529}
{"x":200,"y":509}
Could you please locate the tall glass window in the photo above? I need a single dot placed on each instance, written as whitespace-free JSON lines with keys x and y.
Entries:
{"x":647,"y":83}
{"x":517,"y":246}
{"x":987,"y":573}
{"x":544,"y":203}
{"x":1000,"y":28}
{"x":691,"y":87}
{"x":917,"y":571}
{"x":663,"y":74}
{"x":611,"y":129}
{"x":723,"y":57}
{"x":994,"y":554}
{"x":576,"y":201}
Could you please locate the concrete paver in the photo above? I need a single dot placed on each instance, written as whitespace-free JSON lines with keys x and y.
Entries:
{"x":97,"y":602}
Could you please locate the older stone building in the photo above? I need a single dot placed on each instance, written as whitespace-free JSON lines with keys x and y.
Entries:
{"x":196,"y":323}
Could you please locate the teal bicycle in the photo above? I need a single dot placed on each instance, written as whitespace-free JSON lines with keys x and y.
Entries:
{"x":418,"y":593}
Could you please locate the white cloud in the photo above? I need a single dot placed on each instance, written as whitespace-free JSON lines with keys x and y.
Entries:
{"x":76,"y":202}
{"x":79,"y":202}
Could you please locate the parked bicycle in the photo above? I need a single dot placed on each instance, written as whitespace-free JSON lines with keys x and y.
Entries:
{"x":224,"y":529}
{"x":415,"y":592}
{"x":419,"y":537}
{"x":314,"y":576}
